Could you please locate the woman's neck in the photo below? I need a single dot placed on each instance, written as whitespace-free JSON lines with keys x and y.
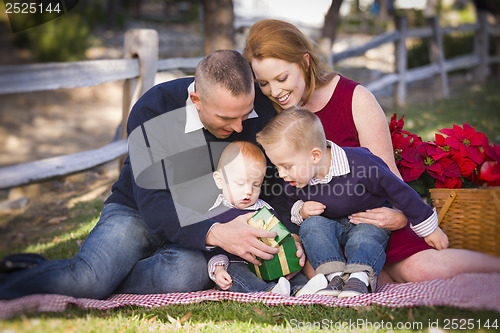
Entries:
{"x":322,"y":95}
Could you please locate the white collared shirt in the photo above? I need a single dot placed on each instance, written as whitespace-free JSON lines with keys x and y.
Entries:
{"x":256,"y":206}
{"x":339,"y":166}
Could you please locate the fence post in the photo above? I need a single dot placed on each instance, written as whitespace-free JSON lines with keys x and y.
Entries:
{"x":481,"y":46}
{"x":437,"y":56}
{"x":401,"y":59}
{"x":143,"y":45}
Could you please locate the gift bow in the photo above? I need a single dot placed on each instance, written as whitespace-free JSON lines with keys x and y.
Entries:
{"x":265,"y":225}
{"x":268,"y":225}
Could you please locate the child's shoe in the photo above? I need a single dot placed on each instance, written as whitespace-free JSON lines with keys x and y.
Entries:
{"x":317,"y":282}
{"x":334,"y":288}
{"x":353,"y":287}
{"x":282,"y":287}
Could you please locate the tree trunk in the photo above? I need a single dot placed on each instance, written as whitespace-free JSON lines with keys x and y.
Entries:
{"x":329,"y":31}
{"x":112,"y":13}
{"x":218,"y":17}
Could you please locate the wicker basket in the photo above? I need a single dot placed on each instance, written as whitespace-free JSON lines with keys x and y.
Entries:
{"x":470,"y":217}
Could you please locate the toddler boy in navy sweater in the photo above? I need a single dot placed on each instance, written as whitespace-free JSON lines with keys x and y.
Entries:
{"x":325,"y":184}
{"x":240,"y":173}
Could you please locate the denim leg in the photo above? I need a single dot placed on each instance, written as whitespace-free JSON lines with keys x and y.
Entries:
{"x":244,"y":281}
{"x":365,"y":250}
{"x":321,"y":238}
{"x":118,"y":241}
{"x":171,"y":269}
{"x":297,"y":282}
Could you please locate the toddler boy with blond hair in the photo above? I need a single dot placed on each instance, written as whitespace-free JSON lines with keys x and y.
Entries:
{"x":326,"y":184}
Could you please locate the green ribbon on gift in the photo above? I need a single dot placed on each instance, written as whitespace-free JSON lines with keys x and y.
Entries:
{"x":285,"y":261}
{"x":265,"y":220}
{"x":285,"y":269}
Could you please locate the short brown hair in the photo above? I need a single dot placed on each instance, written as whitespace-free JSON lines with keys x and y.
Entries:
{"x":298,"y":126}
{"x":223,"y":68}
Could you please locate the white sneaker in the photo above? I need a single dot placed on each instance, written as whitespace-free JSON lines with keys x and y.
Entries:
{"x":318,"y":282}
{"x":282,"y":287}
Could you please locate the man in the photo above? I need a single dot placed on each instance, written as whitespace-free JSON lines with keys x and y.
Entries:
{"x":151,"y":230}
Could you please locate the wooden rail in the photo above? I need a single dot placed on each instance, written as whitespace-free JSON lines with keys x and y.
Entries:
{"x":479,"y":61}
{"x":141,"y":63}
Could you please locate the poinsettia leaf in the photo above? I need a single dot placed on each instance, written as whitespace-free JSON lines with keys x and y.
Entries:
{"x":451,"y":169}
{"x":477,"y":139}
{"x":447,"y":131}
{"x":452,"y":142}
{"x":475,"y":154}
{"x":412,"y":156}
{"x":458,"y":132}
{"x":466,"y":166}
{"x":440,"y":139}
{"x":490,"y":171}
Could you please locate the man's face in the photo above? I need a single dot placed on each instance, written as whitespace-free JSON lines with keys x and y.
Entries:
{"x":241,"y":180}
{"x":222,"y":113}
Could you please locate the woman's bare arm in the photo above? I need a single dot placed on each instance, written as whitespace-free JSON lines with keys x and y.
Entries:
{"x":373,"y":133}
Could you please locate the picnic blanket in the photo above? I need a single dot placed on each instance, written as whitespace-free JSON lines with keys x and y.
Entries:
{"x":473,"y":291}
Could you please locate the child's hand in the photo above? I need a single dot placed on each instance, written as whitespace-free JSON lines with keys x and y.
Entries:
{"x":301,"y":254}
{"x":437,"y":239}
{"x":311,"y":208}
{"x":222,"y":278}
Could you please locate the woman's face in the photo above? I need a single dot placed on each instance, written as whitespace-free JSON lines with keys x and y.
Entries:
{"x":281,"y":81}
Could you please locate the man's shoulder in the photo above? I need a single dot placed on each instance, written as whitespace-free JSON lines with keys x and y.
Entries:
{"x":180,"y":84}
{"x":171,"y":91}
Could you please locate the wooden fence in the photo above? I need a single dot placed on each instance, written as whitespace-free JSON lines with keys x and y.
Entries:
{"x":479,"y":61}
{"x":141,"y":63}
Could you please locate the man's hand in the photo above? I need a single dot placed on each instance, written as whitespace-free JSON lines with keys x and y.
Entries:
{"x":311,"y":208}
{"x":383,"y":217}
{"x":222,"y":278}
{"x":437,"y":239}
{"x":238,"y":238}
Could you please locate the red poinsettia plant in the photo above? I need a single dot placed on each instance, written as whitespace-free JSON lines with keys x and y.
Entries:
{"x":458,"y":157}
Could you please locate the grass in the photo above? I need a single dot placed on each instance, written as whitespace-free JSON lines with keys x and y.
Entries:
{"x":479,"y":107}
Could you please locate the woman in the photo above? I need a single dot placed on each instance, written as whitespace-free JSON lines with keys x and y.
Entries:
{"x":289,"y":72}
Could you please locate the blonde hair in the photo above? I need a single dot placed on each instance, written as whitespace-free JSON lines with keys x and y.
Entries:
{"x":245,"y":148}
{"x":281,"y":40}
{"x":297,"y":126}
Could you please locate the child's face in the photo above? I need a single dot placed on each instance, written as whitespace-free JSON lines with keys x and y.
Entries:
{"x":241,"y":180}
{"x":295,"y":166}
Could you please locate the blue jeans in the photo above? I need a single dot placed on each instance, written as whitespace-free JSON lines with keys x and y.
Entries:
{"x":244,"y":281}
{"x":120,"y":255}
{"x":364,"y":246}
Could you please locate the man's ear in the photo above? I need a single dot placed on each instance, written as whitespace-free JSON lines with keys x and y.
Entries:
{"x":195,"y":98}
{"x":316,"y":154}
{"x":219,"y":179}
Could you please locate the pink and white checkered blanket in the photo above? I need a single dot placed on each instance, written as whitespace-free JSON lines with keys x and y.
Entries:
{"x":473,"y":291}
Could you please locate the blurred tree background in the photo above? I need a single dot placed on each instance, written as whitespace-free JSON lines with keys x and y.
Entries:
{"x":68,"y":37}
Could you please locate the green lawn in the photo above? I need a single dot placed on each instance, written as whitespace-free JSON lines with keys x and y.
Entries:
{"x":476,"y":105}
{"x":479,"y":107}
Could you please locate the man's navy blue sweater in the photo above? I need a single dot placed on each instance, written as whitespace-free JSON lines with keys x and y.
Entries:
{"x":157,"y":207}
